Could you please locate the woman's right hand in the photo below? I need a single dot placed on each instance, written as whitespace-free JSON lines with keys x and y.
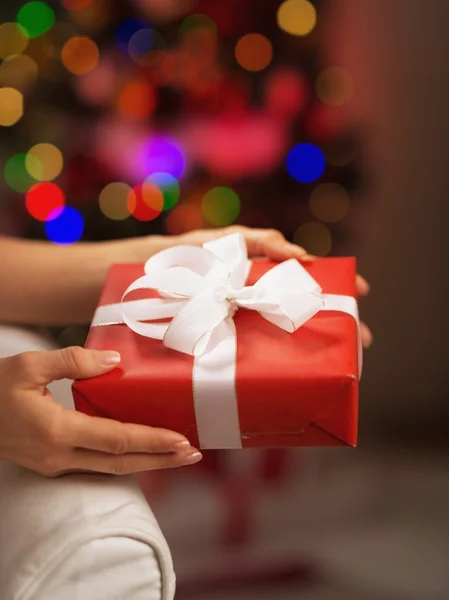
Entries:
{"x":38,"y":433}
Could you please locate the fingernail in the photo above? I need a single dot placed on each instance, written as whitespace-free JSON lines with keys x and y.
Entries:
{"x":109,"y":358}
{"x":193,"y":458}
{"x":183,"y":445}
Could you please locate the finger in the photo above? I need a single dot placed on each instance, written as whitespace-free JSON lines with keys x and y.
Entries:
{"x":42,"y":368}
{"x":113,"y":437}
{"x":366,"y":335}
{"x":363,"y":287}
{"x":272,"y":244}
{"x":90,"y":460}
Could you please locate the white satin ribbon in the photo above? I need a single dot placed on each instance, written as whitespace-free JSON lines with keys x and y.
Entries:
{"x":200,"y":289}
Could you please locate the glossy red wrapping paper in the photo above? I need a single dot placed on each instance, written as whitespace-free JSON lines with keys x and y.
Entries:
{"x":297,"y":389}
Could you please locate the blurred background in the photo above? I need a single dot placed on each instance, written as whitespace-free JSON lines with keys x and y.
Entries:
{"x":326,"y":119}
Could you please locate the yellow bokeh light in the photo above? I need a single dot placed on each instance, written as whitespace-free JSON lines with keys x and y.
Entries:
{"x":12,"y":40}
{"x":253,"y":52}
{"x":44,"y":162}
{"x":80,"y":55}
{"x":334,"y":86}
{"x":329,"y":202}
{"x":114,"y":200}
{"x":314,"y":237}
{"x":297,"y":17}
{"x":11,"y":106}
{"x":19,"y":72}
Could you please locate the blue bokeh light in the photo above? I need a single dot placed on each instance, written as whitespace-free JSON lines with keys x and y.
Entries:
{"x":64,"y":226}
{"x":306,"y":163}
{"x":141,"y":42}
{"x":126,"y":31}
{"x":163,"y":155}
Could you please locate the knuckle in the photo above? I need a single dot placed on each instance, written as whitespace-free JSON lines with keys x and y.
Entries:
{"x":118,"y":443}
{"x":121,"y":466}
{"x":274,"y":234}
{"x":26,"y":364}
{"x":73,"y":357}
{"x":49,"y":433}
{"x":50,"y":466}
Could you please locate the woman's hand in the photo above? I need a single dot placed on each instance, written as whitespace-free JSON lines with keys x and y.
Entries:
{"x":264,"y":243}
{"x":38,"y":433}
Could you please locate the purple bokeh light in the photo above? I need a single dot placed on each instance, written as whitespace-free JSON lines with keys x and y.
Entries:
{"x":162,"y":154}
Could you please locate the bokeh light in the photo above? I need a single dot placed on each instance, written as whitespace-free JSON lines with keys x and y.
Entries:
{"x":43,"y":199}
{"x":80,"y":55}
{"x":16,"y":174}
{"x":137,"y":100}
{"x":197,"y":21}
{"x":324,"y":122}
{"x":297,"y":17}
{"x":187,"y":216}
{"x":329,"y":202}
{"x":20,"y":72}
{"x":306,"y":163}
{"x":76,"y":4}
{"x":238,"y":147}
{"x":335,"y":86}
{"x":220,"y":206}
{"x":165,"y":11}
{"x":64,"y":226}
{"x":114,"y":200}
{"x":145,"y":202}
{"x":36,"y":18}
{"x":11,"y":106}
{"x":285,"y":93}
{"x":44,"y":162}
{"x":94,"y":17}
{"x":253,"y":52}
{"x":140,"y":50}
{"x":314,"y":237}
{"x":140,"y":43}
{"x":168,"y":185}
{"x":163,"y":155}
{"x":12,"y":40}
{"x":98,"y":86}
{"x":127,"y":30}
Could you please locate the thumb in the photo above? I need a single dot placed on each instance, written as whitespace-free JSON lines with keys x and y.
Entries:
{"x":71,"y":363}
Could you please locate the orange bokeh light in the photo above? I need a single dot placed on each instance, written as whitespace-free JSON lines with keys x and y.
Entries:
{"x":253,"y":52}
{"x":137,"y":100}
{"x":80,"y":55}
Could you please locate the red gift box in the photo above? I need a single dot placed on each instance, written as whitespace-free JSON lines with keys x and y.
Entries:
{"x":293,"y":389}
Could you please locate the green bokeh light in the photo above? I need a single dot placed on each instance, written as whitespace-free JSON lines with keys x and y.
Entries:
{"x":16,"y":174}
{"x":36,"y":18}
{"x":220,"y":206}
{"x":168,"y":185}
{"x":197,"y":21}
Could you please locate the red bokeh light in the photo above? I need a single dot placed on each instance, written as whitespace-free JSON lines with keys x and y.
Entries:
{"x":44,"y":198}
{"x":286,"y":93}
{"x":75,"y":4}
{"x":145,"y":202}
{"x":324,"y":122}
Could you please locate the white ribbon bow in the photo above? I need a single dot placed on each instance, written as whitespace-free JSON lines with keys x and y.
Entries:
{"x":201,"y":289}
